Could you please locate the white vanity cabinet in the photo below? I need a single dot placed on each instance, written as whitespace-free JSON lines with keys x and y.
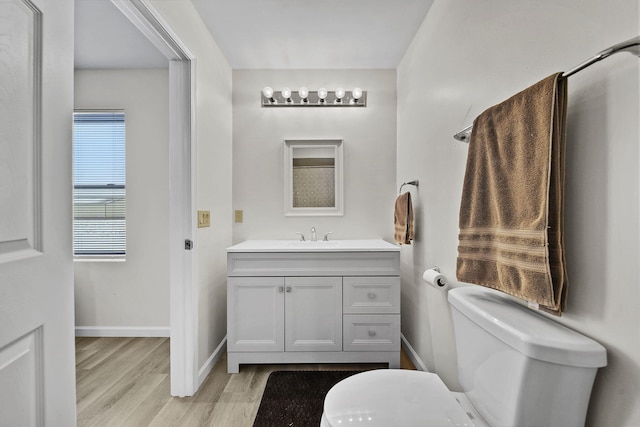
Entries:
{"x":313,"y":304}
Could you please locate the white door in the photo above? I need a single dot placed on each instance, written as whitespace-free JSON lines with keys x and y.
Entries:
{"x":255,"y":314}
{"x":37,"y":362}
{"x":313,"y":319}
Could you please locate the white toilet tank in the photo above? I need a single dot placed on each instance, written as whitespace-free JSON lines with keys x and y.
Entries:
{"x":517,"y":367}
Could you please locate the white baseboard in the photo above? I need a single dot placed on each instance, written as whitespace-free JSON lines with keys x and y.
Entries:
{"x":122,"y":331}
{"x":211,"y":361}
{"x":417,"y":362}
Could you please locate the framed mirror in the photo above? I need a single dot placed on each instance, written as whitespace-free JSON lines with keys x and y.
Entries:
{"x":313,"y":177}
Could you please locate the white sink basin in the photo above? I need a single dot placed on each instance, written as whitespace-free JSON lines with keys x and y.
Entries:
{"x":362,"y":245}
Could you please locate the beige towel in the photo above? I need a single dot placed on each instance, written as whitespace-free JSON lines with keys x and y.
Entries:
{"x":511,"y":215}
{"x":403,"y":220}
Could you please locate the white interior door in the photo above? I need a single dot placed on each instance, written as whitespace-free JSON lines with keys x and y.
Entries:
{"x":182,"y":179}
{"x":37,"y":362}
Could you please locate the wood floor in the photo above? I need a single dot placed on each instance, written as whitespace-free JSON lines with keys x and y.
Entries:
{"x":125,"y":382}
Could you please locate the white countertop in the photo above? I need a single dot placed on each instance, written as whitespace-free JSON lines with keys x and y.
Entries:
{"x":359,"y":245}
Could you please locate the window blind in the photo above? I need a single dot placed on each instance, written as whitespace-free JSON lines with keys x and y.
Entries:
{"x":99,"y":179}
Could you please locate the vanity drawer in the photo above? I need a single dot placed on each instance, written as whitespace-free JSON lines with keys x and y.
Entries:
{"x":364,"y":332}
{"x":371,"y":295}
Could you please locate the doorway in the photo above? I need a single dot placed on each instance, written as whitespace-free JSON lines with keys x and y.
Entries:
{"x":182,"y":303}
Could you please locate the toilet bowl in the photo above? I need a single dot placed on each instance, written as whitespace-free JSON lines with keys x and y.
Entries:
{"x":516,"y":368}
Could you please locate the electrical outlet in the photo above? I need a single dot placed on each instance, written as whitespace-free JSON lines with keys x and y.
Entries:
{"x":238,"y":215}
{"x":204,"y":219}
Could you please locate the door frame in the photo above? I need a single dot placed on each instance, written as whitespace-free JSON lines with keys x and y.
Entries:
{"x":182,"y":195}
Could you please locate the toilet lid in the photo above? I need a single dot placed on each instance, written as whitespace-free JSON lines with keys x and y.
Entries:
{"x":393,"y":397}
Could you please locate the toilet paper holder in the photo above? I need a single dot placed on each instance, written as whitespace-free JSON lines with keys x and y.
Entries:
{"x":440,"y":281}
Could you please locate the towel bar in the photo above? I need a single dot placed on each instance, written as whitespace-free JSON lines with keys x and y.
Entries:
{"x":632,"y":46}
{"x":414,"y":182}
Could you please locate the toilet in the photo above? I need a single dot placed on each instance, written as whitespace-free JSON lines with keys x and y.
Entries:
{"x":516,"y":368}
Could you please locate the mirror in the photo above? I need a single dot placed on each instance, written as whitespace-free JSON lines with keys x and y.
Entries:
{"x":313,"y":177}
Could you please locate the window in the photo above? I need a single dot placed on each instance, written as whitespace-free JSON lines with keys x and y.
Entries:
{"x":99,"y":202}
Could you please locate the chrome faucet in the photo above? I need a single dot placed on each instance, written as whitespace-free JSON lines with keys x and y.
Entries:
{"x":314,"y":236}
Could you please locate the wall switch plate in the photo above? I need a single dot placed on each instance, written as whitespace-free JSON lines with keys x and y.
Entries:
{"x":204,"y":219}
{"x":238,"y":215}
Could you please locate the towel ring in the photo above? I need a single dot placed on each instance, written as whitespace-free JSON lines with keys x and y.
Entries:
{"x":414,"y":182}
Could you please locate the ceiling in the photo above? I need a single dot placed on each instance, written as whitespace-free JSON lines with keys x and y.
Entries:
{"x":105,"y":39}
{"x":259,"y":34}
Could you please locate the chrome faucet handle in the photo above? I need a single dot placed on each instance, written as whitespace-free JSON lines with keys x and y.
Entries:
{"x":301,"y":237}
{"x":313,"y":234}
{"x":326,"y":236}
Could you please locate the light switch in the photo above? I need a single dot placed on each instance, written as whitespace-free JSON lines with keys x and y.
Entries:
{"x":238,"y":215}
{"x":204,"y":219}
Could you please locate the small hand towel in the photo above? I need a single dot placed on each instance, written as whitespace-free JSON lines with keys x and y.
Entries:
{"x":511,"y":216}
{"x":403,"y":220}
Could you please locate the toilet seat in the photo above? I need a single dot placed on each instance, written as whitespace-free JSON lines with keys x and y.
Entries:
{"x":392,"y":397}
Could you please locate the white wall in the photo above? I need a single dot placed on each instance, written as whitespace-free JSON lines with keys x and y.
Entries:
{"x":213,"y":171}
{"x":135,"y":293}
{"x":369,"y":136}
{"x":469,"y":55}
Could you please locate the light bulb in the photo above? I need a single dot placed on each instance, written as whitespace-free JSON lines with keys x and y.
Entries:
{"x":286,"y":93}
{"x":322,"y":94}
{"x":303,"y":92}
{"x":339,"y":95}
{"x":356,"y":93}
{"x":267,"y":92}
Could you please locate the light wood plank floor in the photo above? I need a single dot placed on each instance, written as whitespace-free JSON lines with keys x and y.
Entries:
{"x":125,"y":382}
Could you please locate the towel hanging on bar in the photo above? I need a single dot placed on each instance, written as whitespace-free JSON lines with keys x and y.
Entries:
{"x":511,"y":215}
{"x":403,"y":220}
{"x":632,"y":46}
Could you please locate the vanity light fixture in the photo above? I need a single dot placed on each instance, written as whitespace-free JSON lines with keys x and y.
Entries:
{"x":320,"y":98}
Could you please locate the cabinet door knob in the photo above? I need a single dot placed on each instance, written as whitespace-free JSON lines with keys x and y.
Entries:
{"x":372,"y":333}
{"x":280,"y":288}
{"x":372,"y":295}
{"x":288,"y":288}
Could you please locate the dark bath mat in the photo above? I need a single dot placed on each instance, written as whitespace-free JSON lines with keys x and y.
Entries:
{"x":295,"y":398}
